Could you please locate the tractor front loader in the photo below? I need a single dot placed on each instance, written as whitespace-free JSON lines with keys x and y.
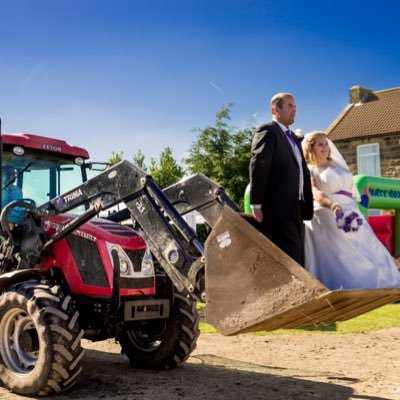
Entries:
{"x":64,"y":277}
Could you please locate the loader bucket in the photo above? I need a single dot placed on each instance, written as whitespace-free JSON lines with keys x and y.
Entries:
{"x":252,"y":285}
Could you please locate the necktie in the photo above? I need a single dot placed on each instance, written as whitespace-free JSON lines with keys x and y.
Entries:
{"x":299,"y":162}
{"x":288,"y":134}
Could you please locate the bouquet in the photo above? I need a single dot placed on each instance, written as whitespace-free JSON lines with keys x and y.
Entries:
{"x":349,"y":222}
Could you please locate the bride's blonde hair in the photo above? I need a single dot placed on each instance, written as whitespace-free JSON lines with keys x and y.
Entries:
{"x":308,"y":146}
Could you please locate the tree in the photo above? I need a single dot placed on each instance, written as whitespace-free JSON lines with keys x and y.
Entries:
{"x":166,"y":170}
{"x":222,"y":153}
{"x":138,"y":160}
{"x":115,"y":157}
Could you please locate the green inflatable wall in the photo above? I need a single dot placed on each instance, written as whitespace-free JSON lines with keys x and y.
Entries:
{"x":247,"y":208}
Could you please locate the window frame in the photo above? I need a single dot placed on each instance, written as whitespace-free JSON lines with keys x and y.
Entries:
{"x":361,"y":156}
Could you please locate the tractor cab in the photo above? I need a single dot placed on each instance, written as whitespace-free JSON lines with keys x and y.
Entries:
{"x":39,"y":169}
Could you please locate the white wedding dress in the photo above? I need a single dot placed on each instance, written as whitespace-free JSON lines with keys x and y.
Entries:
{"x":345,"y":260}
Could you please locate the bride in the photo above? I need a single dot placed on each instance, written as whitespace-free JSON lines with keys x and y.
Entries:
{"x":341,"y":250}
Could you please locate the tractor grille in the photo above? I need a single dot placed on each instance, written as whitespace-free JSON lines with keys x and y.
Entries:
{"x":136,"y":256}
{"x":115,"y":229}
{"x":88,"y":261}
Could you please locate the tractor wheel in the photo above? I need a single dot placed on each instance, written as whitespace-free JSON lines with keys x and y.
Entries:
{"x":163,"y":344}
{"x":40,"y":349}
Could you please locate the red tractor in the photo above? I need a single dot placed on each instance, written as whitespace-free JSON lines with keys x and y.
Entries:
{"x":67,"y":275}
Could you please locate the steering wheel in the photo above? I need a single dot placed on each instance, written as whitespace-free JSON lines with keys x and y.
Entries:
{"x":28,"y":201}
{"x":14,"y":212}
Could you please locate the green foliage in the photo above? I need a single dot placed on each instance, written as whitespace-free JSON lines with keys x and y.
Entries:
{"x":222,"y":153}
{"x":138,"y":160}
{"x":202,"y":233}
{"x":166,"y":170}
{"x":382,"y":318}
{"x":115,"y":157}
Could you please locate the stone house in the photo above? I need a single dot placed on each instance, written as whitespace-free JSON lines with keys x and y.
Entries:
{"x":367,"y":132}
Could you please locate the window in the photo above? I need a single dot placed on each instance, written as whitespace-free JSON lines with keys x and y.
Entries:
{"x":368,"y":159}
{"x":43,"y":177}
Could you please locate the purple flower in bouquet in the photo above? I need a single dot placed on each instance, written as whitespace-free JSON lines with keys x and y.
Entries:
{"x":346,"y":228}
{"x":349,"y":222}
{"x":339,"y":215}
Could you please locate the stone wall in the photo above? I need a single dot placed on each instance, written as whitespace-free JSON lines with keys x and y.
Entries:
{"x":389,"y":146}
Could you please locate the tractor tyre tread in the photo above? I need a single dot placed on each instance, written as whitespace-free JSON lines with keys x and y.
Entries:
{"x":178,"y":342}
{"x":59,"y":351}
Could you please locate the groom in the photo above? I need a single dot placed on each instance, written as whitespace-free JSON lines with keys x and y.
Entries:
{"x":280,"y":185}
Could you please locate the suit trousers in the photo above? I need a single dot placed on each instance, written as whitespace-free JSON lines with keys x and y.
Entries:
{"x":287,"y":234}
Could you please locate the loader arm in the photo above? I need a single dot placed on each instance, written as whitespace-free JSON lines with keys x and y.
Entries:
{"x":195,"y":193}
{"x":199,"y":193}
{"x":169,"y":237}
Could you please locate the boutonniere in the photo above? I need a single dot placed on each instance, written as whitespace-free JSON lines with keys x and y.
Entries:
{"x":299,"y":133}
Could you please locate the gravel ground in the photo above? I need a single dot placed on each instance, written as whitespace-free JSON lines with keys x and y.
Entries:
{"x":302,"y":367}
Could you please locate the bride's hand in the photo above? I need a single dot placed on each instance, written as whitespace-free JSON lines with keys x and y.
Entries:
{"x":337,"y":210}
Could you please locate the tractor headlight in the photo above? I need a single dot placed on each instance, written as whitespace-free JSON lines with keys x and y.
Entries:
{"x":147,"y":263}
{"x":125,"y":264}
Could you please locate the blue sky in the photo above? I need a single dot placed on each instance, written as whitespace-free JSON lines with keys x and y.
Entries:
{"x":122,"y":75}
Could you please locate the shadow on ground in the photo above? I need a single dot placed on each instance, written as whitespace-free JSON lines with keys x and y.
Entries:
{"x":108,"y":376}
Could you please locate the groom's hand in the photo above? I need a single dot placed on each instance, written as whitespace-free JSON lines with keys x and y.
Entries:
{"x":258,"y":214}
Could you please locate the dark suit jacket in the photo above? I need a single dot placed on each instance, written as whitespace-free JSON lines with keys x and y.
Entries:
{"x":274,"y":175}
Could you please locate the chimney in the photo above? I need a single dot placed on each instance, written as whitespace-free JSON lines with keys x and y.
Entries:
{"x":359,"y":94}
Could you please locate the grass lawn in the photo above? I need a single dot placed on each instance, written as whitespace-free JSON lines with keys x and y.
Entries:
{"x":384,"y":317}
